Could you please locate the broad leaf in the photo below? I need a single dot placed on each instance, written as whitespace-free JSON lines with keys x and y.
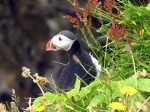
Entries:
{"x":143,"y":84}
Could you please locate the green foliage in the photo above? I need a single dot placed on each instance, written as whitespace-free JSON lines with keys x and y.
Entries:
{"x":98,"y":94}
{"x":145,"y":82}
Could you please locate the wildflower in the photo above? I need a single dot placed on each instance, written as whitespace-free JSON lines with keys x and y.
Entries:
{"x":122,"y":33}
{"x":141,"y":32}
{"x":14,"y":97}
{"x":2,"y":108}
{"x":128,"y":48}
{"x":78,"y":12}
{"x":41,"y":108}
{"x":142,"y":107}
{"x":58,"y":107}
{"x":100,"y":20}
{"x":133,"y":22}
{"x":90,"y":6}
{"x":108,"y":5}
{"x":13,"y":106}
{"x":132,"y":109}
{"x":89,"y":24}
{"x":76,"y":59}
{"x":129,"y":39}
{"x":128,"y":90}
{"x":76,"y":4}
{"x":30,"y":109}
{"x":44,"y":101}
{"x":73,"y":20}
{"x":116,"y":32}
{"x":39,"y":79}
{"x":26,"y":72}
{"x":83,"y":30}
{"x":118,"y":11}
{"x":117,"y":106}
{"x":83,"y":14}
{"x":143,"y":73}
{"x":107,"y":76}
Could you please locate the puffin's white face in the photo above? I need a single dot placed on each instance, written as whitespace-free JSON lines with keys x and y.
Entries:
{"x":59,"y":42}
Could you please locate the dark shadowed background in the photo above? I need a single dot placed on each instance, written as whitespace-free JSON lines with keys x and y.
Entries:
{"x":25,"y":28}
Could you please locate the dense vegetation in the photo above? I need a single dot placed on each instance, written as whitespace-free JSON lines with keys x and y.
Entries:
{"x":124,"y":83}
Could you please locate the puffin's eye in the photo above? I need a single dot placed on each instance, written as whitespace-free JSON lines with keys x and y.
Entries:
{"x":60,"y":39}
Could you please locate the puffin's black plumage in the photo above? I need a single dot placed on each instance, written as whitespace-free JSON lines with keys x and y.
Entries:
{"x":68,"y":75}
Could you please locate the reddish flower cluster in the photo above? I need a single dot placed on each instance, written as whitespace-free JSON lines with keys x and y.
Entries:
{"x":108,"y":5}
{"x":90,"y":6}
{"x":116,"y":32}
{"x":73,"y":20}
{"x":129,"y":40}
{"x":100,"y":20}
{"x":83,"y":14}
{"x":118,"y":12}
{"x":78,"y":12}
{"x":89,"y":24}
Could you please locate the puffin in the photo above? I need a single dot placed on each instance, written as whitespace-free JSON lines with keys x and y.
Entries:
{"x":66,"y":40}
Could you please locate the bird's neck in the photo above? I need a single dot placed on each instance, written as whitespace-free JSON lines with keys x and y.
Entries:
{"x":75,"y":47}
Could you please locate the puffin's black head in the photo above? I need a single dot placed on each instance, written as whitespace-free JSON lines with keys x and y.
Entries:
{"x":62,"y":41}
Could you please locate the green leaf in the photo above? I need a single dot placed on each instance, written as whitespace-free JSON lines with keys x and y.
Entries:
{"x":75,"y":90}
{"x":60,"y":98}
{"x":103,"y":28}
{"x":83,"y":92}
{"x":50,"y":96}
{"x":36,"y":102}
{"x":77,"y":84}
{"x":116,"y":89}
{"x":93,"y":84}
{"x":143,"y":84}
{"x":108,"y":86}
{"x":86,"y":90}
{"x":96,"y":100}
{"x":131,"y":81}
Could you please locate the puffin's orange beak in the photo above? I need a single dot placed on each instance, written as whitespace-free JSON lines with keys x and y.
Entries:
{"x":48,"y":45}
